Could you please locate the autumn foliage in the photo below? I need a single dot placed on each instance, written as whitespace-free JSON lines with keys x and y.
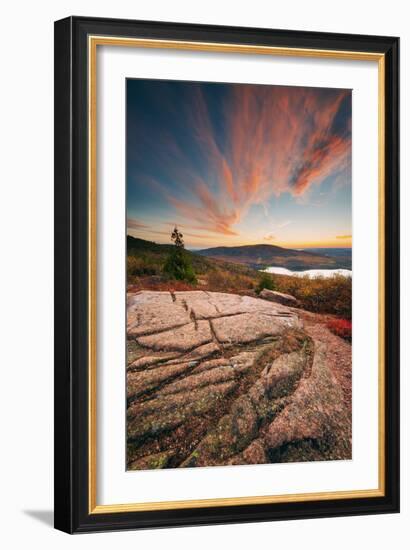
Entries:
{"x":320,"y":295}
{"x":341,"y":327}
{"x":171,"y":267}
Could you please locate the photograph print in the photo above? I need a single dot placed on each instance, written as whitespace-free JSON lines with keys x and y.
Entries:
{"x":239,"y":274}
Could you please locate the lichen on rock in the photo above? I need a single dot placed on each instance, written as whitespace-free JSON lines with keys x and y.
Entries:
{"x":222,"y":379}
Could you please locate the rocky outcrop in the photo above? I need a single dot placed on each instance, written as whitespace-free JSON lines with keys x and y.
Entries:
{"x":217,"y":378}
{"x":279,"y":297}
{"x":316,"y":408}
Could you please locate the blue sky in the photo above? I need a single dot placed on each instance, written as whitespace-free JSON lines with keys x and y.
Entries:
{"x":233,"y":164}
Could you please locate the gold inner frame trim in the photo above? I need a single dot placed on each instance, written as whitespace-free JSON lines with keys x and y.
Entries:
{"x":93,"y":42}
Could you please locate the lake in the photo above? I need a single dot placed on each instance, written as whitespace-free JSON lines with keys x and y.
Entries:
{"x":311,"y":273}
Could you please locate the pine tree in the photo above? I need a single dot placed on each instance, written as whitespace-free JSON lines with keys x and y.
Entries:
{"x":177,"y":238}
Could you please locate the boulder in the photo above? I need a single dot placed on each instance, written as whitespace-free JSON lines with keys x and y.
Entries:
{"x":250,"y":327}
{"x":278,"y":297}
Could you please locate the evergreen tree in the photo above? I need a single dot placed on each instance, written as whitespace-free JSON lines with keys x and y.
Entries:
{"x":178,"y":265}
{"x":177,"y":238}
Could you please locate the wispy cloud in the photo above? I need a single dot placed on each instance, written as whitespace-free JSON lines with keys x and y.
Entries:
{"x":277,"y":228}
{"x":343,"y":237}
{"x":283,"y":224}
{"x":135,"y":224}
{"x":277,"y":140}
{"x":269,"y":237}
{"x":136,"y":227}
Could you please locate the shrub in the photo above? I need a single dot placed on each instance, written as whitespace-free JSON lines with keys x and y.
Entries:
{"x":138,"y":266}
{"x":341,"y":327}
{"x":320,"y":295}
{"x":217,"y":280}
{"x":226,"y":281}
{"x":178,"y":266}
{"x":266,"y":281}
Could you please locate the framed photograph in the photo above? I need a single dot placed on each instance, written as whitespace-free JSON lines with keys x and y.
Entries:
{"x":226,"y":274}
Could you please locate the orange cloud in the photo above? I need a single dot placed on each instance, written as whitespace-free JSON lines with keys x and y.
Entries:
{"x":343,"y":237}
{"x":279,"y":139}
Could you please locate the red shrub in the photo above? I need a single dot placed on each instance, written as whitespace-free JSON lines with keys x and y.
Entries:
{"x":341,"y":327}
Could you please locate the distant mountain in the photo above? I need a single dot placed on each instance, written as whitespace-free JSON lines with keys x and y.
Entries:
{"x":136,"y":244}
{"x":261,"y":256}
{"x":156,"y":254}
{"x":242,"y":258}
{"x":342,"y":255}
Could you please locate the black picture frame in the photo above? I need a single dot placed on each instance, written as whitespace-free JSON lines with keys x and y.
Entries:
{"x":71,"y":492}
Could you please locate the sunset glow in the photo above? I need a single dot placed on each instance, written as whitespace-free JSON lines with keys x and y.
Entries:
{"x":235,"y":164}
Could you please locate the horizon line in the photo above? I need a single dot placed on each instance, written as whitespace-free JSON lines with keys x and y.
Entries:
{"x":291,"y":246}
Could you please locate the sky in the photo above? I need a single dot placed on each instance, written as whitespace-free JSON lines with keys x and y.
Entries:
{"x":238,"y":164}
